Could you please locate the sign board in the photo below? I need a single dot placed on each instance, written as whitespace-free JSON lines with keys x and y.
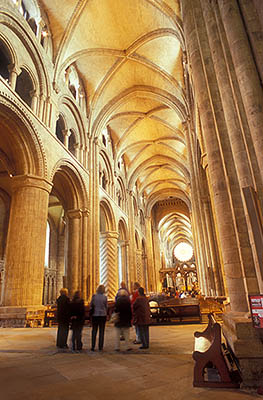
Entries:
{"x":256,"y":307}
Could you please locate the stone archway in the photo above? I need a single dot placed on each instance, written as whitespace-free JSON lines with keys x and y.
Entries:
{"x":22,"y":167}
{"x":67,"y":216}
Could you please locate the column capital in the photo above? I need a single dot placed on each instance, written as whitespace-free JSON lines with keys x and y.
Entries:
{"x":14,"y":68}
{"x":20,"y":181}
{"x":85,"y":212}
{"x":74,"y":213}
{"x":109,"y":235}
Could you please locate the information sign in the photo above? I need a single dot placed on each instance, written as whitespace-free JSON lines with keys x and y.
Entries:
{"x":256,"y":307}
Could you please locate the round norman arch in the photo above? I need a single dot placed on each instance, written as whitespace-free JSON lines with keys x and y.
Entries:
{"x":69,"y":186}
{"x":107,"y":218}
{"x":20,"y":146}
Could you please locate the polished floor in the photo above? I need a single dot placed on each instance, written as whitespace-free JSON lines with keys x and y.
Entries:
{"x":32,"y":369}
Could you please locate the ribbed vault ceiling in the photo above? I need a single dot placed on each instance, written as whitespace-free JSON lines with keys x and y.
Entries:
{"x":129,"y":56}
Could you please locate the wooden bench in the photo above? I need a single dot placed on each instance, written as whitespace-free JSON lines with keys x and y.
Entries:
{"x":212,"y":365}
{"x":175,"y":313}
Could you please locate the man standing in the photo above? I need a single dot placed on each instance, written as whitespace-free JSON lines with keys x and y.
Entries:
{"x":63,"y":317}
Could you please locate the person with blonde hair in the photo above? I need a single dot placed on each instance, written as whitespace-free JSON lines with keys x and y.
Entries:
{"x":63,"y":317}
{"x":99,"y":306}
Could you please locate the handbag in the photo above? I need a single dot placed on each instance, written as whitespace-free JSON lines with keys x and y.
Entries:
{"x":115,"y":317}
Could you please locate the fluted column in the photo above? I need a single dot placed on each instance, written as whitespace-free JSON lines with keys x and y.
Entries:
{"x":25,"y":247}
{"x":108,"y":262}
{"x":73,"y":259}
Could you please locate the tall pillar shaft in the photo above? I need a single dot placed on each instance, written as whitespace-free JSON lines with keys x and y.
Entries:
{"x":246,"y":72}
{"x":73,"y":260}
{"x":235,"y":133}
{"x":60,"y":263}
{"x":25,"y":248}
{"x":108,"y":262}
{"x":212,"y":249}
{"x":207,"y":96}
{"x":139,"y":275}
{"x":85,"y":267}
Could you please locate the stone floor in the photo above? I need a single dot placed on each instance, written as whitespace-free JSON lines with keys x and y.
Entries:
{"x":32,"y":369}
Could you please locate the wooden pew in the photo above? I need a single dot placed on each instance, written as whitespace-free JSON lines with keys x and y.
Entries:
{"x":175,"y":313}
{"x":212,"y":365}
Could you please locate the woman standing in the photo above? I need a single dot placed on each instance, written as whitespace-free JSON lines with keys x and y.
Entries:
{"x":122,"y":326}
{"x":99,"y":305}
{"x":142,"y":314}
{"x":77,"y":320}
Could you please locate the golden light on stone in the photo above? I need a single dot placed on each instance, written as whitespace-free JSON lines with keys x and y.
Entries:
{"x":183,"y":251}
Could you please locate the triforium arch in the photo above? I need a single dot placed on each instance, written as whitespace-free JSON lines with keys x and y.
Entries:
{"x":108,"y":267}
{"x":29,"y":65}
{"x":67,"y":216}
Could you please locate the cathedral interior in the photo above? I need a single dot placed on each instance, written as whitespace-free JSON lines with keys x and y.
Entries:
{"x":131,"y":149}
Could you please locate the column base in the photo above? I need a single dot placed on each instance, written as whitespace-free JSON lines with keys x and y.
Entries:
{"x":247,"y":344}
{"x":21,"y":317}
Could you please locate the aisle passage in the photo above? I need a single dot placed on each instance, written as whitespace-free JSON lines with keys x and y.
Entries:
{"x":32,"y":369}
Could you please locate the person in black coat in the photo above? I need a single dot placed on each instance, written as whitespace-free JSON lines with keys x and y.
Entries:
{"x":122,"y":326}
{"x":77,"y":311}
{"x":63,"y":318}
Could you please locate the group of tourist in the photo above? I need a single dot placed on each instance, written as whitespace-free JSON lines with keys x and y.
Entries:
{"x":129,"y":310}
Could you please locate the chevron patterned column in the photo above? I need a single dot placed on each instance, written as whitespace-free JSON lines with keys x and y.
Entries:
{"x":108,"y":262}
{"x":139,"y":275}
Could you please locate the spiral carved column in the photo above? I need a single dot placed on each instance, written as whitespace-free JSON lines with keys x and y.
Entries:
{"x":108,"y":262}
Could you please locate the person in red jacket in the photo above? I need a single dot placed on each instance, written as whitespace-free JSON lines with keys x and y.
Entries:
{"x":142,"y":317}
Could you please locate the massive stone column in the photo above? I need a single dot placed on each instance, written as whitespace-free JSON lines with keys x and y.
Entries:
{"x":246,"y":72}
{"x":85,"y":267}
{"x":212,"y":120}
{"x":94,"y":219}
{"x":73,"y":259}
{"x":212,"y":249}
{"x":60,"y":265}
{"x":149,"y":254}
{"x":123,"y":248}
{"x":25,"y":247}
{"x":132,"y":252}
{"x":197,"y":216}
{"x":108,"y":262}
{"x":226,"y":84}
{"x":236,"y":131}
